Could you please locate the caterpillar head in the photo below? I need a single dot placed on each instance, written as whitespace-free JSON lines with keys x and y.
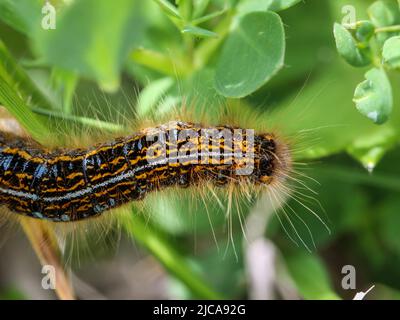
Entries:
{"x":273,"y":161}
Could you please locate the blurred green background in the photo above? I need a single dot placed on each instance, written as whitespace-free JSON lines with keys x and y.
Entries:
{"x":108,"y":61}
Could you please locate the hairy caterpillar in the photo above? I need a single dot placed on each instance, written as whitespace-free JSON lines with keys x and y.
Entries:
{"x":126,"y":169}
{"x":64,"y":185}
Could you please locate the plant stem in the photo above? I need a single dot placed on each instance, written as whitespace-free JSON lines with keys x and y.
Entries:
{"x":112,"y":127}
{"x":206,"y":48}
{"x":388,"y":29}
{"x":44,"y":242}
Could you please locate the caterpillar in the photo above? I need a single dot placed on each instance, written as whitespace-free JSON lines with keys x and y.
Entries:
{"x":67,"y":185}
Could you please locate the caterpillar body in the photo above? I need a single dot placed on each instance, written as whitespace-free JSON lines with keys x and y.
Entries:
{"x":65,"y":185}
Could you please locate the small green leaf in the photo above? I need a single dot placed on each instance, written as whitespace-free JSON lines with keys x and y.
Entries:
{"x":209,"y":17}
{"x":11,"y":99}
{"x":169,"y":8}
{"x":391,"y":52}
{"x":373,"y":97}
{"x":279,"y":5}
{"x":152,"y":94}
{"x":100,"y":50}
{"x":348,"y":49}
{"x":165,"y":64}
{"x":87,"y":122}
{"x":199,"y":32}
{"x":339,"y":113}
{"x":200,"y":7}
{"x":185,"y":8}
{"x":365,"y":30}
{"x":253,"y":52}
{"x":369,"y":149}
{"x":247,"y":6}
{"x":384,"y":13}
{"x":26,"y":87}
{"x":65,"y":82}
{"x":22,"y":15}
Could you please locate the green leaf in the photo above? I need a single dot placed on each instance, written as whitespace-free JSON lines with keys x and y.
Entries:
{"x":150,"y":96}
{"x":369,"y":149}
{"x":348,"y":49}
{"x":310,"y":276}
{"x":247,"y":6}
{"x":159,"y":62}
{"x":22,"y":81}
{"x":279,"y":5}
{"x":373,"y":97}
{"x":11,"y":99}
{"x":15,"y":90}
{"x":329,"y":119}
{"x":66,"y":82}
{"x":364,"y":31}
{"x":391,"y":52}
{"x":200,"y":7}
{"x":87,"y":122}
{"x":208,"y":17}
{"x":253,"y":53}
{"x":384,"y":13}
{"x":311,"y":57}
{"x":22,"y":15}
{"x":92,"y":39}
{"x":199,"y":32}
{"x":169,"y":8}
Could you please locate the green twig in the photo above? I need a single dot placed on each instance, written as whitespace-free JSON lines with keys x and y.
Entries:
{"x":112,"y":127}
{"x":209,"y":17}
{"x":388,"y":29}
{"x":159,"y":62}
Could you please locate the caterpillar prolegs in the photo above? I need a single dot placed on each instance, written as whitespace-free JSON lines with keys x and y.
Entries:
{"x":62,"y":185}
